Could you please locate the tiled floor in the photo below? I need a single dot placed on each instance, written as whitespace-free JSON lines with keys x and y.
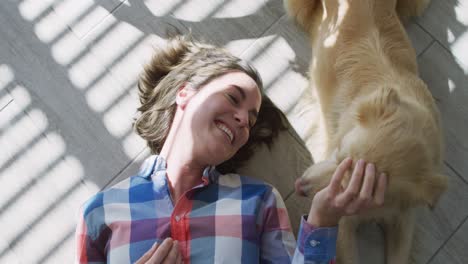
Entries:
{"x":68,"y":71}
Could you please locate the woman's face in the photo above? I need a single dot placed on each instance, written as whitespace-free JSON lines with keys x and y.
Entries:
{"x":217,"y":118}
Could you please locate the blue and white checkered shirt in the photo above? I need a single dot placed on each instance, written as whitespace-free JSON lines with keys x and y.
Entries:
{"x":227,"y":219}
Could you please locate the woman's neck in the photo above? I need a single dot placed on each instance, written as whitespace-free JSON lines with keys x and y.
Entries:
{"x":183,"y":172}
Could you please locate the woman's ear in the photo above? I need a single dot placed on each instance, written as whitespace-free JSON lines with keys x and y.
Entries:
{"x":184,"y":94}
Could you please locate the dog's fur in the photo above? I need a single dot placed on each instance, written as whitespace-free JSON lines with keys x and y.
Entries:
{"x":376,"y":108}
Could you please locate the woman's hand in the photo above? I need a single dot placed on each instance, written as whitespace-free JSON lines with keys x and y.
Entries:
{"x":166,"y":252}
{"x":363,"y":192}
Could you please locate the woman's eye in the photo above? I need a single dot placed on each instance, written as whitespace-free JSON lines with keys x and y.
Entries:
{"x":233,"y":99}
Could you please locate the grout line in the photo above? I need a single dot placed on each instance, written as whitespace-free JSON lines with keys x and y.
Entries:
{"x":441,"y":44}
{"x":27,"y":112}
{"x":123,"y":169}
{"x":455,"y":59}
{"x":457,"y":228}
{"x":426,"y":48}
{"x":8,"y":89}
{"x":289,"y":195}
{"x":98,"y":23}
{"x":433,"y":39}
{"x":423,"y":29}
{"x":11,"y":100}
{"x":261,"y":35}
{"x":455,"y":171}
{"x":447,"y":240}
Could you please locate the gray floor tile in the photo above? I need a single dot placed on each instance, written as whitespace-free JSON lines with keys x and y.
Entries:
{"x":454,"y":252}
{"x":420,"y":39}
{"x":42,"y":186}
{"x":235,"y":24}
{"x":138,"y":31}
{"x":96,"y":136}
{"x":6,"y":83}
{"x":8,"y":255}
{"x":5,"y":100}
{"x":83,"y":16}
{"x":282,"y":56}
{"x":446,"y":79}
{"x":435,"y":226}
{"x":447,"y":21}
{"x":132,"y":168}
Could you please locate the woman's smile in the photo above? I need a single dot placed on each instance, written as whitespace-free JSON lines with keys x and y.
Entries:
{"x":227,"y":131}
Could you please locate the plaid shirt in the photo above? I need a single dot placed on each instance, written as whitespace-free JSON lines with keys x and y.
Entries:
{"x":227,"y":219}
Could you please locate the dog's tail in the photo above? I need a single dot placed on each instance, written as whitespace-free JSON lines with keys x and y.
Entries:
{"x":302,"y":11}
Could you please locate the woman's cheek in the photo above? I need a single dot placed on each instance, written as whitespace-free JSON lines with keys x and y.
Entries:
{"x":245,"y":138}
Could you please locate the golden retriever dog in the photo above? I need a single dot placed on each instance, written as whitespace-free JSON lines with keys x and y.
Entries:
{"x":376,"y":108}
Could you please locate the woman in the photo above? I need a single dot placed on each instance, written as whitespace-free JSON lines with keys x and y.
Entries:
{"x":200,"y":107}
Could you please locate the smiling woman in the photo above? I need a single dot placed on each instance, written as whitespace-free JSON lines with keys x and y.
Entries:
{"x":215,"y":115}
{"x":202,"y":110}
{"x":191,"y":65}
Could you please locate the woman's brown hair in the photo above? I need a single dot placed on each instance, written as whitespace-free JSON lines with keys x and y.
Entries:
{"x":184,"y":60}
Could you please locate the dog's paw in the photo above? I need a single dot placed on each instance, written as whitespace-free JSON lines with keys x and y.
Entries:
{"x":315,"y":178}
{"x":303,"y":187}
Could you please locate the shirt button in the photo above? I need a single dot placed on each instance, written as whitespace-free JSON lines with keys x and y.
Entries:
{"x":314,"y":243}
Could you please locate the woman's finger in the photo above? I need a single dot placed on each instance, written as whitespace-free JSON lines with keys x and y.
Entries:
{"x":171,"y":258}
{"x":335,"y":182}
{"x":148,"y":254}
{"x":379,"y":194}
{"x":354,"y":185}
{"x":162,"y":251}
{"x":368,"y":184}
{"x":364,"y":199}
{"x":179,"y":259}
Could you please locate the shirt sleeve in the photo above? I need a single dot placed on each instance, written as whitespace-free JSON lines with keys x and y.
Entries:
{"x":315,"y":245}
{"x":88,"y":248}
{"x":278,"y":245}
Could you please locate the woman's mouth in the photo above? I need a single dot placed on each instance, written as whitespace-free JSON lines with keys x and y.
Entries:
{"x":226,"y":130}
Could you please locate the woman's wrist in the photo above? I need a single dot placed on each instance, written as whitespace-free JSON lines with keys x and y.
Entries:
{"x":316,"y":220}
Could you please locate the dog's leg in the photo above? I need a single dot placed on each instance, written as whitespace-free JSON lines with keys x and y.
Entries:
{"x":410,"y":8}
{"x":315,"y":178}
{"x":347,"y":249}
{"x":399,"y":237}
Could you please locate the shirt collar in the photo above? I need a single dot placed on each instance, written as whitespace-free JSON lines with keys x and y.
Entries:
{"x":210,"y":175}
{"x":154,"y":167}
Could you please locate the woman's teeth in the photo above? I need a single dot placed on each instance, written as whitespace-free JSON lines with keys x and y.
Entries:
{"x":226,"y":130}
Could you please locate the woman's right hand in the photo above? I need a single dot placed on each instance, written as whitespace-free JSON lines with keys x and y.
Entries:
{"x":364,"y":191}
{"x":167,"y":252}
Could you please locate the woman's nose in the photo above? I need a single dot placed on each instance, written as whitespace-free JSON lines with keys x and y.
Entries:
{"x":242,"y":118}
